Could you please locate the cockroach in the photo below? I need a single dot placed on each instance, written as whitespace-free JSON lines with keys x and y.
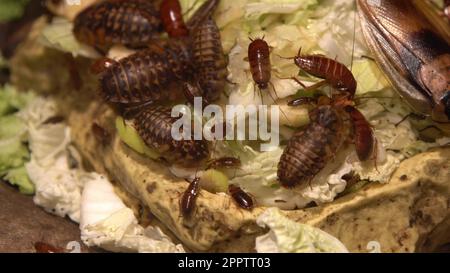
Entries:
{"x":101,"y":134}
{"x":210,"y":61}
{"x":259,"y":60}
{"x":42,"y":247}
{"x":333,"y":73}
{"x":146,"y":76}
{"x":154,"y":125}
{"x":132,"y":23}
{"x":189,"y":198}
{"x":413,"y":55}
{"x":205,"y":11}
{"x":172,"y":19}
{"x":310,"y":150}
{"x":225,"y":162}
{"x":243,"y":199}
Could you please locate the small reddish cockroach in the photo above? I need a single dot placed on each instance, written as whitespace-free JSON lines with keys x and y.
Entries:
{"x":172,"y":19}
{"x":42,"y":247}
{"x":101,"y":134}
{"x":189,"y":198}
{"x":334,"y":73}
{"x":243,"y":199}
{"x":148,"y":75}
{"x":132,"y":23}
{"x":362,"y":133}
{"x":259,"y":60}
{"x":210,"y":61}
{"x":154,"y":125}
{"x":225,"y":162}
{"x":310,"y":150}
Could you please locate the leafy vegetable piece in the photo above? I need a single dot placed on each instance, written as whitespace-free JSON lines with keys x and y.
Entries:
{"x":19,"y":177}
{"x":214,"y":181}
{"x":11,"y":126}
{"x":59,"y":35}
{"x":12,"y":9}
{"x":11,"y":100}
{"x":287,"y":236}
{"x":131,"y":138}
{"x":106,"y":222}
{"x":13,"y":154}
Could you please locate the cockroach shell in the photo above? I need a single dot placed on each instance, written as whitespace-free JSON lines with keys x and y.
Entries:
{"x":128,"y":22}
{"x":154,"y":125}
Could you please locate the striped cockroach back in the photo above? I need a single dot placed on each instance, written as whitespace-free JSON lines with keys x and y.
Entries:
{"x":148,"y":75}
{"x":127,"y":22}
{"x":154,"y":125}
{"x":210,"y":60}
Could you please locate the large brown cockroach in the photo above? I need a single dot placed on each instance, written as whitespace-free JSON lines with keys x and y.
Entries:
{"x":189,"y":198}
{"x":133,"y":23}
{"x":154,"y":125}
{"x":210,"y":63}
{"x":412,"y":54}
{"x":310,"y":150}
{"x":243,"y":199}
{"x":172,"y":19}
{"x":334,"y":73}
{"x":146,"y":76}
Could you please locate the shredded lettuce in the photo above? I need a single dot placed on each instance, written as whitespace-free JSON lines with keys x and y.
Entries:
{"x":12,"y":9}
{"x":59,"y":35}
{"x":287,"y":236}
{"x":106,"y":222}
{"x":14,"y":152}
{"x":19,"y":177}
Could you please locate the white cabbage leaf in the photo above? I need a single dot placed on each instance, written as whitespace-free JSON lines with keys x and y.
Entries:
{"x":287,"y":236}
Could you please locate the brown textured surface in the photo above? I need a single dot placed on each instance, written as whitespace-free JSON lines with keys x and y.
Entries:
{"x":22,"y":224}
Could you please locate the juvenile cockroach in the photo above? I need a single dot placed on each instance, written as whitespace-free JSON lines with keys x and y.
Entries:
{"x":172,"y":19}
{"x":146,"y":76}
{"x":334,"y":73}
{"x":133,"y":23}
{"x":259,"y":60}
{"x":189,"y":198}
{"x":154,"y":125}
{"x":243,"y":199}
{"x":310,"y":150}
{"x":210,"y":62}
